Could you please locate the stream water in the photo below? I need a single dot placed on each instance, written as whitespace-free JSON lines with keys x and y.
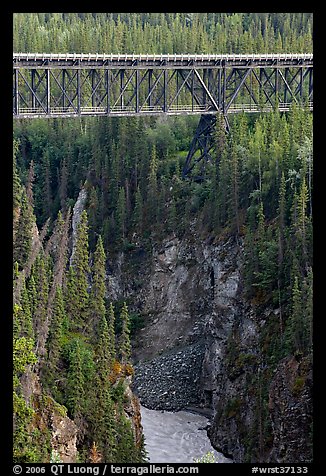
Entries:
{"x":176,"y":437}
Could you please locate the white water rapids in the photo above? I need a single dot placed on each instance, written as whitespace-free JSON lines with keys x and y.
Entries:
{"x":176,"y":437}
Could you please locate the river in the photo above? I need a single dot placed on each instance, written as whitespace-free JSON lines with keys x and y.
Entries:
{"x":176,"y":437}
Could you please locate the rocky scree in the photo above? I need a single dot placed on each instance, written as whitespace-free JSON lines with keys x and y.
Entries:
{"x":170,"y":381}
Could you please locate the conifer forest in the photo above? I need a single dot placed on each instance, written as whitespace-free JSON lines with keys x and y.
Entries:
{"x":122,"y":266}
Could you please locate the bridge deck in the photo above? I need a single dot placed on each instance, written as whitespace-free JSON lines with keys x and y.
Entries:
{"x":84,"y":60}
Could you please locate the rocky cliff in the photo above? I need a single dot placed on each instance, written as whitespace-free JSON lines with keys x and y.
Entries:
{"x":202,"y":344}
{"x":54,"y":432}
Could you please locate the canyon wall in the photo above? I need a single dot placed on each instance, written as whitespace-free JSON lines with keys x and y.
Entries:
{"x":202,"y":345}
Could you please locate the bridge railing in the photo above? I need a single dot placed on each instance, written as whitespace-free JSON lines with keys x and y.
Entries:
{"x":84,"y":57}
{"x":184,"y":109}
{"x":113,"y":110}
{"x":282,"y":106}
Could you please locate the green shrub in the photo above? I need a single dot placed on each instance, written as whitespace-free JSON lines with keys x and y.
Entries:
{"x":209,"y":457}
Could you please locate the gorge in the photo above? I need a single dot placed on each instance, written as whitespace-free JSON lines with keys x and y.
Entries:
{"x":150,"y":292}
{"x":200,"y":347}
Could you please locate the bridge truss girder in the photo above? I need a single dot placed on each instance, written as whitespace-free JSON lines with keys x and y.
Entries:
{"x":50,"y":89}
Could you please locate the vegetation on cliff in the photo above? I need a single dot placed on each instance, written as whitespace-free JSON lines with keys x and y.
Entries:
{"x":62,"y":326}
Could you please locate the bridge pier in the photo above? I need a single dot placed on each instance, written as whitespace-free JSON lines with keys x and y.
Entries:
{"x":202,"y":145}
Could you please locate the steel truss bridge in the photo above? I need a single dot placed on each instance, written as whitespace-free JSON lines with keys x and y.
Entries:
{"x":75,"y":85}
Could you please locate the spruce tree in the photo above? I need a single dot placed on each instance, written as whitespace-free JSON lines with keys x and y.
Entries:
{"x":54,"y":341}
{"x":281,"y":212}
{"x":45,"y":199}
{"x":59,"y":249}
{"x":17,"y":187}
{"x":234,"y":162}
{"x":111,"y":333}
{"x":93,"y":213}
{"x":121,"y":214}
{"x":224,"y":189}
{"x":103,"y":418}
{"x":296,"y":328}
{"x":63,"y":184}
{"x":301,"y":225}
{"x":40,"y":310}
{"x":106,"y":428}
{"x":80,"y":265}
{"x":152,"y":194}
{"x":126,"y":449}
{"x":71,"y":300}
{"x":76,"y":382}
{"x":27,"y":322}
{"x":30,"y":183}
{"x":219,"y":136}
{"x":125,"y":346}
{"x":16,"y":321}
{"x":97,"y":294}
{"x":281,"y":219}
{"x":308,"y":300}
{"x":138,"y":214}
{"x":32,"y":294}
{"x":104,"y":352}
{"x":23,"y":235}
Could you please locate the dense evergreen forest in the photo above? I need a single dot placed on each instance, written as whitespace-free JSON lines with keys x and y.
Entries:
{"x":163,"y":32}
{"x":258,"y":189}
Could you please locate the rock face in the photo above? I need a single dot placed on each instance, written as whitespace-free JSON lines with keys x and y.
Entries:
{"x":76,"y":214}
{"x":200,"y":345}
{"x":290,"y":406}
{"x":64,"y":438}
{"x":132,"y":411}
{"x":50,"y":420}
{"x":183,"y":283}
